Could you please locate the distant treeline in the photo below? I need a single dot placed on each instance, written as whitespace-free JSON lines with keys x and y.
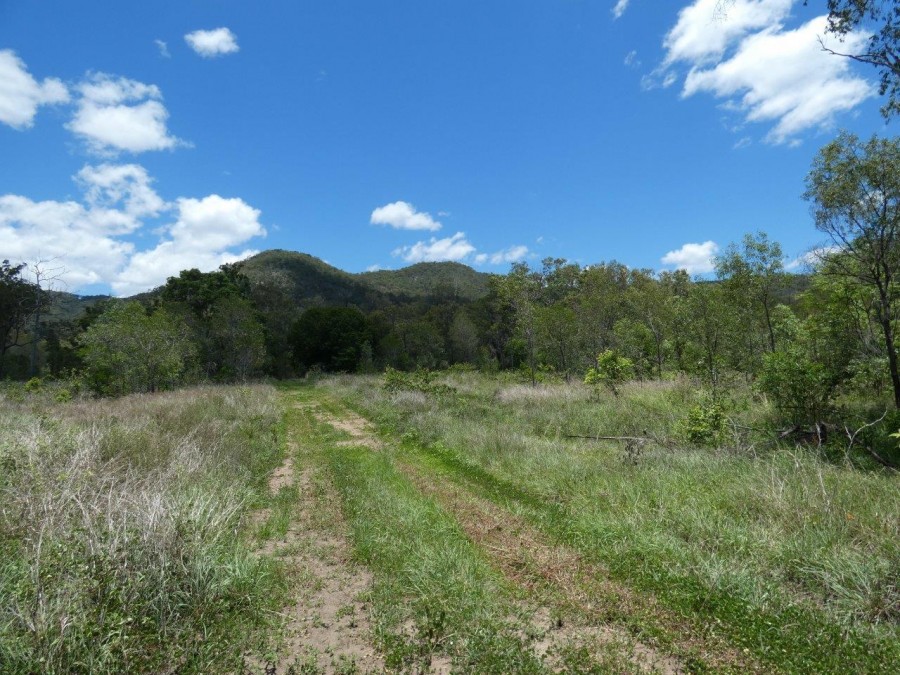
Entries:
{"x":806,"y":340}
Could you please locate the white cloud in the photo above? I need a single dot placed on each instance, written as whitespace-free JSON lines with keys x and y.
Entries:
{"x":620,"y":8}
{"x":89,"y":237}
{"x":507,"y":255}
{"x":116,"y":114}
{"x":403,"y":216}
{"x":786,"y":78}
{"x":693,"y":258}
{"x":200,"y":237}
{"x":456,"y":248}
{"x":764,"y":71}
{"x":21,"y":95}
{"x":65,"y":230}
{"x":211,"y":43}
{"x":373,"y":268}
{"x":120,"y":193}
{"x":811,"y":258}
{"x":163,"y":48}
{"x":631,"y":59}
{"x":704,"y":32}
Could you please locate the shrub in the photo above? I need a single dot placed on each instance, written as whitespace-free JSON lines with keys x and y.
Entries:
{"x":798,"y":387}
{"x":705,"y":423}
{"x":611,"y":371}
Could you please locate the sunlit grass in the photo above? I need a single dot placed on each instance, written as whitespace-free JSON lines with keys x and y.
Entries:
{"x":796,"y":557}
{"x":119,"y":524}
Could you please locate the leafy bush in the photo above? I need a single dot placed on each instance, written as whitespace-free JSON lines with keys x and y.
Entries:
{"x":611,"y":370}
{"x":34,"y":385}
{"x":798,"y":386}
{"x":704,"y":424}
{"x":421,"y":380}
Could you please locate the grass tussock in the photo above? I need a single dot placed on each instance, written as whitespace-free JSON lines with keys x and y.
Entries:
{"x":119,"y":522}
{"x":792,"y":555}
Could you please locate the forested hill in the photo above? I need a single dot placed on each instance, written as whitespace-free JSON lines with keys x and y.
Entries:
{"x":430,"y":279}
{"x":311,"y":281}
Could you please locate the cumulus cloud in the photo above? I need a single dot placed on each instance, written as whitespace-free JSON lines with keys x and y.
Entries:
{"x":67,"y":230}
{"x":619,"y":9}
{"x":693,"y":258}
{"x":764,"y":71}
{"x":120,"y":194}
{"x":811,"y":258}
{"x":116,"y":114}
{"x":91,"y":236}
{"x":703,"y":31}
{"x":455,"y":248}
{"x":403,"y":216}
{"x":200,"y":237}
{"x":212,"y":43}
{"x":21,"y":95}
{"x":784,"y":77}
{"x":507,"y":255}
{"x":163,"y":48}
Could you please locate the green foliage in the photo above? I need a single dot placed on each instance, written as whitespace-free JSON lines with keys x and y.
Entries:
{"x":34,"y":385}
{"x":421,"y":380}
{"x":705,"y":423}
{"x":855,"y":188}
{"x":331,"y":338}
{"x":126,"y":350}
{"x":18,"y":301}
{"x":435,"y":280}
{"x":881,"y":22}
{"x":797,"y":386}
{"x":611,"y":370}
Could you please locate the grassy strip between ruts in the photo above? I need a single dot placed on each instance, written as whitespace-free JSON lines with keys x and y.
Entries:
{"x":789,"y":635}
{"x":435,"y":599}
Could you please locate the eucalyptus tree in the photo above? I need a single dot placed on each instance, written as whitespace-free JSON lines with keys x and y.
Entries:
{"x":854,"y":186}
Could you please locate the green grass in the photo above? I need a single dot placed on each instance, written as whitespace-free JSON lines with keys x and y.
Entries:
{"x":434,"y":593}
{"x":119,"y":531}
{"x":790,"y":557}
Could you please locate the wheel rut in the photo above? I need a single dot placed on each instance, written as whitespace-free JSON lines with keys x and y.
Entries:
{"x":571,"y":601}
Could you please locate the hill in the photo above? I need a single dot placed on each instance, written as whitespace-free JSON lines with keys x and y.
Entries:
{"x":311,"y":281}
{"x":430,"y":279}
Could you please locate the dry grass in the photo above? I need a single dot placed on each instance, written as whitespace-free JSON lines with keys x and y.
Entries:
{"x":118,"y":524}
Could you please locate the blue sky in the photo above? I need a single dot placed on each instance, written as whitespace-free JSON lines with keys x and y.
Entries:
{"x":139,"y":139}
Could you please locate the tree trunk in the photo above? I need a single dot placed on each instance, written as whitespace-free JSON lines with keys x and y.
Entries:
{"x":884,"y":318}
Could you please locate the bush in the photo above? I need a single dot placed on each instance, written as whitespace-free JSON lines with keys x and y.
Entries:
{"x":421,"y":380}
{"x":704,"y":424}
{"x":799,"y":388}
{"x":611,"y":371}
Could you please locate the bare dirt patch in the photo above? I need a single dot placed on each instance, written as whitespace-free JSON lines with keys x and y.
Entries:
{"x":361,"y":430}
{"x":283,"y":476}
{"x":327,"y":628}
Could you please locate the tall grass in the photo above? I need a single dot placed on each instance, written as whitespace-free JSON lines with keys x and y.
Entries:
{"x":795,"y":557}
{"x":119,"y":523}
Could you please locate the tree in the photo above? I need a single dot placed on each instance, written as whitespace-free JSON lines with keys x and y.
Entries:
{"x":16,"y":307}
{"x":331,"y":338}
{"x":753,"y":275}
{"x":126,"y":350}
{"x":521,"y":290}
{"x":855,"y":189}
{"x":846,"y":16}
{"x":881,"y":20}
